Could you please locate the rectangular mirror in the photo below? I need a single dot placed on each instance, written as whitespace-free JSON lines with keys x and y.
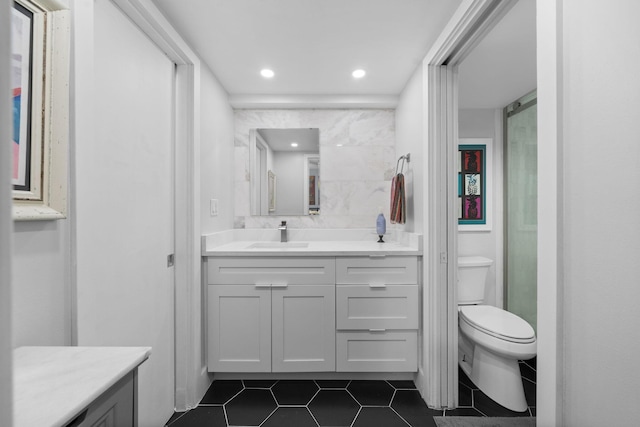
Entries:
{"x":285,"y":171}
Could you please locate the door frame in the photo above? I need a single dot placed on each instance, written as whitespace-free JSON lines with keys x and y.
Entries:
{"x":438,"y":377}
{"x":191,"y":376}
{"x":6,"y":222}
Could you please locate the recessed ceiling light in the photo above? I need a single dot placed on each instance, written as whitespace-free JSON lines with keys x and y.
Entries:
{"x":338,"y":145}
{"x":358,"y":74}
{"x":267,"y":73}
{"x":294,"y":144}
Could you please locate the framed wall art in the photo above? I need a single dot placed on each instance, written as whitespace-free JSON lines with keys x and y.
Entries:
{"x":40,"y":85}
{"x":474,"y":189}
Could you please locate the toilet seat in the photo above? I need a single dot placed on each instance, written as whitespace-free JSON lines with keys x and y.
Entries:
{"x":498,"y":323}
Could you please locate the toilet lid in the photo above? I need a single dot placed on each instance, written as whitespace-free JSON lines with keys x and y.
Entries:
{"x":498,"y":323}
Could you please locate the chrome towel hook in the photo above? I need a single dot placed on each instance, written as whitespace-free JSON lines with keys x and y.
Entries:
{"x":406,"y":157}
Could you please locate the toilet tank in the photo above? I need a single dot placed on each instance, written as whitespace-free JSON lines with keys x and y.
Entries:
{"x":472,"y":277}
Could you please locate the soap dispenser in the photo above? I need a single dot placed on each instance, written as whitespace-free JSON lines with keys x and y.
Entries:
{"x":381,"y":226}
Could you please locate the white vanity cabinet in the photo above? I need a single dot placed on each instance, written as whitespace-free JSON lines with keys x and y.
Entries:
{"x":377,"y":315}
{"x":271,"y":314}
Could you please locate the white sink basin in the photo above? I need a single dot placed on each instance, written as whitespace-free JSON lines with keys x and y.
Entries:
{"x":278,"y":245}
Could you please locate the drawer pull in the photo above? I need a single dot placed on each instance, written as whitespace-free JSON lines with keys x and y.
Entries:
{"x":279,"y":285}
{"x":377,"y":330}
{"x":377,"y":285}
{"x":377,"y":256}
{"x":263,"y":285}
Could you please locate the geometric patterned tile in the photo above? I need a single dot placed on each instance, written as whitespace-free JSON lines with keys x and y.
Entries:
{"x":402,"y":385}
{"x":371,"y":393}
{"x":465,"y":396}
{"x":290,"y":416}
{"x":250,"y":408}
{"x":410,"y":406}
{"x":378,"y":417}
{"x":529,"y":392}
{"x":334,"y":408}
{"x":527,"y":372}
{"x":333,"y":383}
{"x":349,"y":403}
{"x":221,"y":391}
{"x":258,"y":383}
{"x":210,"y":416}
{"x":294,"y":392}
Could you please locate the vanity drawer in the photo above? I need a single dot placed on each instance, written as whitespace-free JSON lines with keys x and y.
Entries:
{"x":388,"y":270}
{"x":270,"y":271}
{"x":377,"y":307}
{"x":390,"y":351}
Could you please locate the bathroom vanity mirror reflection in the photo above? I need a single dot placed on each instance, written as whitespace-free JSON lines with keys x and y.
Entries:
{"x":285,"y":171}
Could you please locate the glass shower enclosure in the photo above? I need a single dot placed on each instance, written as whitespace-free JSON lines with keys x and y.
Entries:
{"x":521,"y":202}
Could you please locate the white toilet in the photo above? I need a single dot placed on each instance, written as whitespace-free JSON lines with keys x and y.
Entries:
{"x":491,"y":340}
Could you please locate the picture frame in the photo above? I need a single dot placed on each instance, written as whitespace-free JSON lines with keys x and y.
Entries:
{"x":40,"y":77}
{"x":474,"y":184}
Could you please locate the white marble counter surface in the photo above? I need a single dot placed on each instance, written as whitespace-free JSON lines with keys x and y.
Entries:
{"x":310,"y":242}
{"x":51,"y":385}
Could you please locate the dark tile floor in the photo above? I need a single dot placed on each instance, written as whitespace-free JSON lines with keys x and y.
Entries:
{"x":301,"y":403}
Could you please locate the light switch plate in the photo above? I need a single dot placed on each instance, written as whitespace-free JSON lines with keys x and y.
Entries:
{"x":214,"y":207}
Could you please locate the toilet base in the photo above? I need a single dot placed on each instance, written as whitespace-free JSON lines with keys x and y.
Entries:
{"x":496,"y":376}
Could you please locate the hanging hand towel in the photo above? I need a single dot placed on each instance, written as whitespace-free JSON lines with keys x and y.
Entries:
{"x":398,"y":201}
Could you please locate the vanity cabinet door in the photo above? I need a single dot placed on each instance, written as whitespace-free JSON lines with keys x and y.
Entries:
{"x":239,"y":336}
{"x":303,"y":328}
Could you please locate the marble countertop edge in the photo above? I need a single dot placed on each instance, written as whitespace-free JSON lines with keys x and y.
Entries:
{"x":60,"y":382}
{"x":317,"y":242}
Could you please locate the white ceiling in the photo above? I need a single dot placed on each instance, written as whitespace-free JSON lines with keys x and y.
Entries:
{"x":502,"y":67}
{"x":314,"y":45}
{"x":308,"y":140}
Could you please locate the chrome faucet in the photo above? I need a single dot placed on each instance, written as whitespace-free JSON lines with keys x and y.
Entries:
{"x":283,"y":231}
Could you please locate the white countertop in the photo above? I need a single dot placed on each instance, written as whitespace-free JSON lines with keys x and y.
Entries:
{"x":318,"y":242}
{"x":51,"y":385}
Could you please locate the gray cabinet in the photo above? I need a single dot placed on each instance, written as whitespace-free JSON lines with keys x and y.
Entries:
{"x":271,"y":314}
{"x":313,"y":314}
{"x":239,"y":328}
{"x":115,"y":408}
{"x":377,"y":311}
{"x":303,"y":328}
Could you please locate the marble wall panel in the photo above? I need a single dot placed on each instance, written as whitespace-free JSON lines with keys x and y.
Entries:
{"x":358,"y":160}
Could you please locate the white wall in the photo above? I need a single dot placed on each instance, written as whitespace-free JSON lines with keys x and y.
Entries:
{"x":410,"y":139}
{"x":600,"y":152}
{"x":355,"y":179}
{"x":216,"y":154}
{"x":41,"y":292}
{"x":481,"y":123}
{"x":41,"y":288}
{"x":588,"y":255}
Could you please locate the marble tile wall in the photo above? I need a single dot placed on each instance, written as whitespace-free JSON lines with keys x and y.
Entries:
{"x":355,"y":177}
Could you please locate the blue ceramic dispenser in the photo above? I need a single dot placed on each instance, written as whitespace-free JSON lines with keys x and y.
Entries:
{"x":381,"y":226}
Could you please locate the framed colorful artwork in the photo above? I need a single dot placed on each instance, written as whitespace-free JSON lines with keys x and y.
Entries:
{"x":21,"y":54}
{"x":40,"y":35}
{"x":474,"y":189}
